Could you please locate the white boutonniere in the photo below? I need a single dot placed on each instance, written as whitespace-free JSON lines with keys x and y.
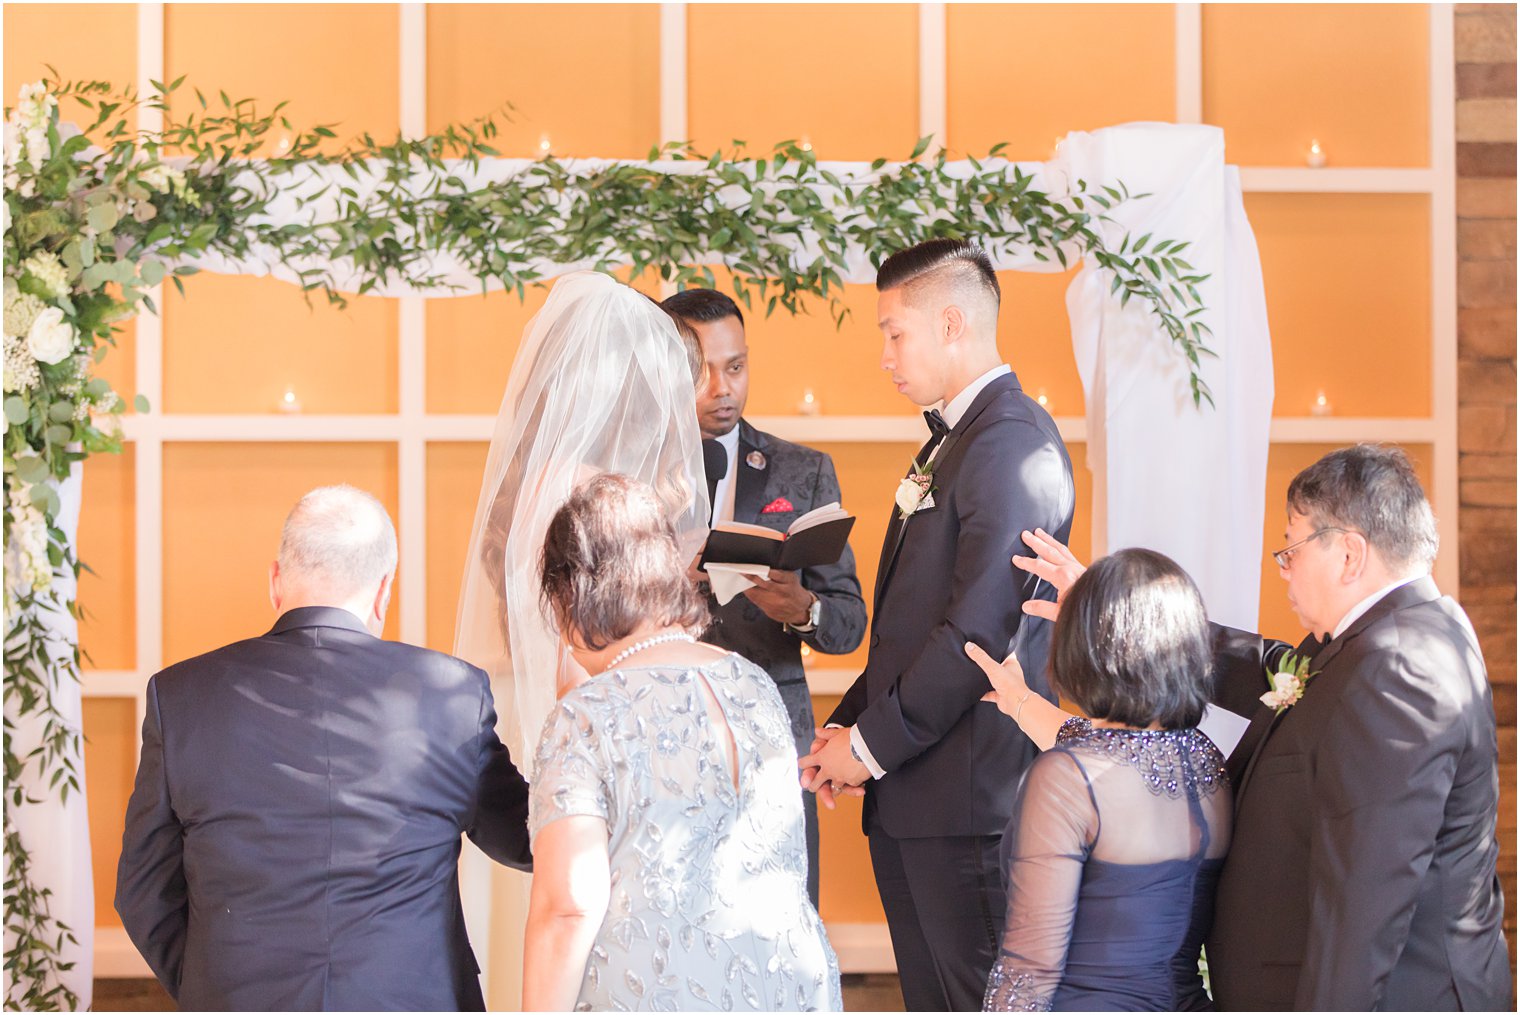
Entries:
{"x":916,"y":491}
{"x":1287,"y":682}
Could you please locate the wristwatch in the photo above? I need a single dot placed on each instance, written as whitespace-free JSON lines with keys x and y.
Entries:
{"x":815,"y":611}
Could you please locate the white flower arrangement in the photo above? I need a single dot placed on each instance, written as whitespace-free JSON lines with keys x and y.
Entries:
{"x":916,"y":491}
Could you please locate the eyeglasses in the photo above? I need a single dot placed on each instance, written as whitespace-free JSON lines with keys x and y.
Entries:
{"x":1284,"y":557}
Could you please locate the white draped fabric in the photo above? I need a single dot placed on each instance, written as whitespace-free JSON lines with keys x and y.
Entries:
{"x":56,"y":834}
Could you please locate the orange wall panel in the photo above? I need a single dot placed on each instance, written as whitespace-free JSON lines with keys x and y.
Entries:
{"x":107,"y":545}
{"x":1354,"y":76}
{"x":843,"y":76}
{"x":83,"y":42}
{"x":224,"y":505}
{"x":334,"y":64}
{"x":453,"y":488}
{"x":586,"y":76}
{"x":1283,"y":463}
{"x":235,"y":344}
{"x":110,"y":766}
{"x":1006,"y":82}
{"x":471,"y":343}
{"x":846,"y":887}
{"x":1348,"y":300}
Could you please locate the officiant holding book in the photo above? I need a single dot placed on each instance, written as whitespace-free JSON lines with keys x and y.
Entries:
{"x":764,"y":480}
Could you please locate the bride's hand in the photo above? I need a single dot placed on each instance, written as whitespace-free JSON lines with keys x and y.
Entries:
{"x":1008,"y":685}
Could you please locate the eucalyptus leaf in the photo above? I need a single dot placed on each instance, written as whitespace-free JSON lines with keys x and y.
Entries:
{"x":16,"y":411}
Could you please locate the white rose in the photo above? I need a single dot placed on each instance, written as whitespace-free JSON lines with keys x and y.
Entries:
{"x":51,"y":338}
{"x":909,"y":496}
{"x":155,"y":177}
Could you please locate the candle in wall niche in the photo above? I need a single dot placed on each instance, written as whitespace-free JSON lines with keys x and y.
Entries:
{"x":808,"y":406}
{"x":289,"y":402}
{"x":807,"y":144}
{"x":283,"y":144}
{"x":1316,"y":156}
{"x":1321,"y":406}
{"x":543,"y":144}
{"x":1042,"y":398}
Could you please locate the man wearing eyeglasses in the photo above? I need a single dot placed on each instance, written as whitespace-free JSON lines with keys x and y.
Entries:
{"x":1362,"y":871}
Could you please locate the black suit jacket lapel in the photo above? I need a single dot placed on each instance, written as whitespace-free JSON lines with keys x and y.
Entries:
{"x":1421,"y":590}
{"x":898,"y":528}
{"x":749,"y":482}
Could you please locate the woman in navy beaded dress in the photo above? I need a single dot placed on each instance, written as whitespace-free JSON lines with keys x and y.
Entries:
{"x":1122,"y":824}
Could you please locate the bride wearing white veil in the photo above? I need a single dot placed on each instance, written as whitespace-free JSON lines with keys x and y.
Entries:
{"x":602,"y":383}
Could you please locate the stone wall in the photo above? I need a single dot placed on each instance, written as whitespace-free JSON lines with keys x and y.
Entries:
{"x":1485,"y":127}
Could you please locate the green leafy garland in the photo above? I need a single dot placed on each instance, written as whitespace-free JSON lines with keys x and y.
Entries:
{"x":96,"y":217}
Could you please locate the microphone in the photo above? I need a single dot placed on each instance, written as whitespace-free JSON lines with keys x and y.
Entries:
{"x":715,"y":464}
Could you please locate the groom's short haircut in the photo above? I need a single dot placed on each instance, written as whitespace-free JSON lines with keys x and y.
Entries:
{"x":702,"y":306}
{"x":959,"y":268}
{"x":339,"y":538}
{"x":1371,"y":489}
{"x":1131,"y":643}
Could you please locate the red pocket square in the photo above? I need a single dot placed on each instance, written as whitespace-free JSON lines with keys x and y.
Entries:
{"x":777,"y":506}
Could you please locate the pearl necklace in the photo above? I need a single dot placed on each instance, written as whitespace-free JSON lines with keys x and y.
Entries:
{"x":640,"y":646}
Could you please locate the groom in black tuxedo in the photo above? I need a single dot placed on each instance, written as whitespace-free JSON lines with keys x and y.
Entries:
{"x":940,"y":766}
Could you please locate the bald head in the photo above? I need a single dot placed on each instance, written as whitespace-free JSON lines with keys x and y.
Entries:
{"x":338,"y":548}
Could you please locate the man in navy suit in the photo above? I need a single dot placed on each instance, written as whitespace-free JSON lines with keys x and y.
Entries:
{"x":940,"y":766}
{"x":293,"y":838}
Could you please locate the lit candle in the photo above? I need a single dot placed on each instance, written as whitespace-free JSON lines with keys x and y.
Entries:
{"x":806,"y":654}
{"x":1042,"y":398}
{"x":543,"y":144}
{"x":283,"y":144}
{"x":289,"y":402}
{"x":807,"y":145}
{"x":1321,"y":406}
{"x":1316,"y":157}
{"x":809,"y":404}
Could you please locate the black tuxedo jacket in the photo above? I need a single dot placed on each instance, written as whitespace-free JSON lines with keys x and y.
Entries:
{"x":953,"y":762}
{"x":293,"y":838}
{"x":1362,"y":871}
{"x":805,"y":479}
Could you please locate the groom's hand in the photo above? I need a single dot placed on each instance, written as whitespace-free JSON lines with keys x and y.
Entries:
{"x":828,"y":790}
{"x":782,"y":597}
{"x":835,"y":763}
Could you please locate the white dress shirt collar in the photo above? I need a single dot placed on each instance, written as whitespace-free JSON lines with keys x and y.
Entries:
{"x":957,"y":406}
{"x":1355,"y":613}
{"x":723,"y":496}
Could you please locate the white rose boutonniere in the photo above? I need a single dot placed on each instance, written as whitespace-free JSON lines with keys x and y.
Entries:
{"x":50,"y":338}
{"x":1287,"y":682}
{"x":916,"y":491}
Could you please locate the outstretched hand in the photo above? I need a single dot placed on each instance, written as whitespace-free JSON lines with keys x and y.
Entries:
{"x":1007,"y":678}
{"x":1053,"y":562}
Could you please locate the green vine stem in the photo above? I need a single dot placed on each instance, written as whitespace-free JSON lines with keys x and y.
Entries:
{"x":97,"y":215}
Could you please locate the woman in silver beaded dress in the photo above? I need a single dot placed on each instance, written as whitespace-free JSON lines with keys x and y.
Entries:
{"x":1122,"y":824}
{"x":670,"y":868}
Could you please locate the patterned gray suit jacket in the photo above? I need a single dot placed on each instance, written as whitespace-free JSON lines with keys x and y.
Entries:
{"x":805,"y":479}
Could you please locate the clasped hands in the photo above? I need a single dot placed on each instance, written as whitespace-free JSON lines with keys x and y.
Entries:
{"x":830,"y":769}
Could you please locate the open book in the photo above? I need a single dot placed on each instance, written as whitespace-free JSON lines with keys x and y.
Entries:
{"x":817,"y":538}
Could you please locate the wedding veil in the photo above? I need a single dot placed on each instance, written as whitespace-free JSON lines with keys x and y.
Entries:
{"x":602,"y":383}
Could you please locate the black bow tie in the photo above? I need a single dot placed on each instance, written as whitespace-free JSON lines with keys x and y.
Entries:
{"x":937,"y":425}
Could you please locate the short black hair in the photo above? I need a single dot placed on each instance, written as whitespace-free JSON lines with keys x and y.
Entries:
{"x":702,"y":306}
{"x":1132,"y":644}
{"x":908,"y":266}
{"x":1371,"y":489}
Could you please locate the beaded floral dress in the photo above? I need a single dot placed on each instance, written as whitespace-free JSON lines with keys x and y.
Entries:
{"x":1112,"y":855}
{"x":709,"y":907}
